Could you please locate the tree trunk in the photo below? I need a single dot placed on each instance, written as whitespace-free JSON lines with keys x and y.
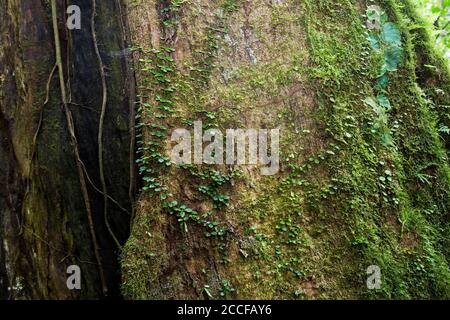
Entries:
{"x":344,"y":199}
{"x":44,"y":218}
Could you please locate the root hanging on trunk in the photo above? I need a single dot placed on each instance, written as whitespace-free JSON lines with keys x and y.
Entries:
{"x":101,"y":124}
{"x":74,"y":142}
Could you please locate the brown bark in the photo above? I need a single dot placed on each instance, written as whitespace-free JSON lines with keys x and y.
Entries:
{"x":45,"y":226}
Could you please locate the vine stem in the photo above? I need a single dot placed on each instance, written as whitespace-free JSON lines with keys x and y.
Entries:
{"x":101,"y":124}
{"x":79,"y":164}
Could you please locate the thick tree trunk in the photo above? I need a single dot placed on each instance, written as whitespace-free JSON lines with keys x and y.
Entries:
{"x":344,"y":199}
{"x":43,"y":216}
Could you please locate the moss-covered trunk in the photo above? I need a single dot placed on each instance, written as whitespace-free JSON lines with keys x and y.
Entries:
{"x":44,"y":225}
{"x":364,"y":175}
{"x":358,"y":185}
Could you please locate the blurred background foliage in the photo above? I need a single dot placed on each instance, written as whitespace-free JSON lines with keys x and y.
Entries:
{"x":438,"y":14}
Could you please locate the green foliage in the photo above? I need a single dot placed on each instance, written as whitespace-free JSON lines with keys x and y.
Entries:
{"x":438,"y":13}
{"x":385,"y":39}
{"x":163,"y":85}
{"x":352,"y":201}
{"x":226,"y":288}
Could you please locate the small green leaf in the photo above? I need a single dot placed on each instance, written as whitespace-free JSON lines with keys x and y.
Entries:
{"x":373,"y":40}
{"x":383,"y":17}
{"x":383,"y":81}
{"x":386,"y":139}
{"x":391,"y":34}
{"x":392,"y":58}
{"x":384,"y":102}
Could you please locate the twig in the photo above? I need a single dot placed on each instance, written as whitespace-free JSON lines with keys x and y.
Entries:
{"x":49,"y":81}
{"x":41,"y":115}
{"x":100,"y":191}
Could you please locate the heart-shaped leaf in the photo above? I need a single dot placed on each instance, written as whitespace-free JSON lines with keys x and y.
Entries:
{"x":384,"y":102}
{"x":391,"y":34}
{"x":373,"y":40}
{"x":392,"y":58}
{"x":383,"y":81}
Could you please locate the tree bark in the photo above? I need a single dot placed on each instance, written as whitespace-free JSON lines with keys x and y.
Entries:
{"x":348,"y":195}
{"x":342,"y":202}
{"x":44,"y":218}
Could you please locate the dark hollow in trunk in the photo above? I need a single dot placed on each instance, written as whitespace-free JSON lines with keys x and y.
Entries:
{"x":43,"y":220}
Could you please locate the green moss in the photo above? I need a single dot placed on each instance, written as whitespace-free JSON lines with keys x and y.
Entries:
{"x":344,"y":200}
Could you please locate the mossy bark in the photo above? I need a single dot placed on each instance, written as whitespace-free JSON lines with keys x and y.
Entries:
{"x":343,"y":200}
{"x":43,"y":218}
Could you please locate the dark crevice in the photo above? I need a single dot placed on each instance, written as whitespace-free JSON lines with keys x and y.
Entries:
{"x":55,"y":229}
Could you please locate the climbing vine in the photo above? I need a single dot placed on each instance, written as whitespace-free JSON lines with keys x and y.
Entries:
{"x":162,"y":87}
{"x":71,"y":128}
{"x":386,"y":42}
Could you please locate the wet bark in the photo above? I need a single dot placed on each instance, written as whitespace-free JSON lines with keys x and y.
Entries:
{"x":44,"y":223}
{"x":308,"y":232}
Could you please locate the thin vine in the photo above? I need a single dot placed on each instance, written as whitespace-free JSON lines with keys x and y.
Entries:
{"x":101,"y":124}
{"x":70,"y":125}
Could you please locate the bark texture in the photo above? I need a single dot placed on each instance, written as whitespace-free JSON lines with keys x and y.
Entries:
{"x":347,"y":195}
{"x":43,"y":218}
{"x":343,"y":200}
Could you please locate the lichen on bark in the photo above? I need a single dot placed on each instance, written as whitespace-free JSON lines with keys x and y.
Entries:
{"x":343,"y":201}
